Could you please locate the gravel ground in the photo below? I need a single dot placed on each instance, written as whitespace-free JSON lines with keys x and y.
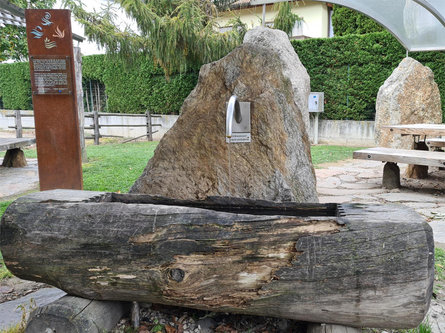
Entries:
{"x":169,"y":319}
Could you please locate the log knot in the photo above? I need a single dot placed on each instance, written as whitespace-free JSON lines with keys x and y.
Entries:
{"x":176,"y":274}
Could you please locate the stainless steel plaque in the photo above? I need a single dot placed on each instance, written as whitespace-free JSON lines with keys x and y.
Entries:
{"x":238,"y":137}
{"x":51,"y":75}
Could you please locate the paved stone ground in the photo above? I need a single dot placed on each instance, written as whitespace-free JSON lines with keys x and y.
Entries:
{"x":11,"y":312}
{"x":17,"y":181}
{"x":361,"y":181}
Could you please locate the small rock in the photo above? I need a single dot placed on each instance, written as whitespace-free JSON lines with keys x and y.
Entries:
{"x":6,"y":290}
{"x":283,"y":325}
{"x":145,"y":305}
{"x":206,"y":325}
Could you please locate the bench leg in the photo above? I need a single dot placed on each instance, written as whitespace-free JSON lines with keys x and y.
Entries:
{"x":418,"y":171}
{"x":391,"y":176}
{"x":14,"y":158}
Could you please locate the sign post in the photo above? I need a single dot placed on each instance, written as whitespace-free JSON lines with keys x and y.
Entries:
{"x":316,"y":106}
{"x":54,"y":98}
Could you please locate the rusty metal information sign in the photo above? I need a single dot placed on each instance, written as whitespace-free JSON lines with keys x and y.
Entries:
{"x":51,"y":75}
{"x":51,"y":62}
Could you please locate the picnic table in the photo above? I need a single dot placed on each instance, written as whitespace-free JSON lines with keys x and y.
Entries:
{"x":14,"y":156}
{"x":418,"y":130}
{"x":419,"y":158}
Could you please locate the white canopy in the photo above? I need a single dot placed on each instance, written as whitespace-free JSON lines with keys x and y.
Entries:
{"x":419,"y":25}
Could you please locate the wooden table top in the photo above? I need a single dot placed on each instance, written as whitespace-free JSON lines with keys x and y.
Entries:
{"x":418,"y":129}
{"x":11,"y":143}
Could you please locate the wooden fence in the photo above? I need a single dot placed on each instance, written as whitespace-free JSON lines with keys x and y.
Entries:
{"x":96,"y":126}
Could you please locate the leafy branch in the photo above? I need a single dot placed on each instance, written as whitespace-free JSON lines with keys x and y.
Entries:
{"x":177,"y":34}
{"x":286,"y":19}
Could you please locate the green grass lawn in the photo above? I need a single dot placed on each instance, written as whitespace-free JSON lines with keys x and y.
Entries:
{"x":111,"y":167}
{"x":115,"y":167}
{"x":328,"y":154}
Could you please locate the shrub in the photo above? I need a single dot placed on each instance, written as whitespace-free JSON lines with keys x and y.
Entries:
{"x":351,"y":69}
{"x":348,"y":69}
{"x":15,"y":86}
{"x":138,"y":86}
{"x":347,"y":21}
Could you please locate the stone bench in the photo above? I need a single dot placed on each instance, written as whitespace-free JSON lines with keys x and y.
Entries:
{"x":14,"y":156}
{"x":391,"y":172}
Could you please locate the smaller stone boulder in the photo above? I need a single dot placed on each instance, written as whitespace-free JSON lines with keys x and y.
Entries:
{"x":409,"y":96}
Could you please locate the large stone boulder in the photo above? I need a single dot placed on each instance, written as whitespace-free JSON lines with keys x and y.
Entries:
{"x":293,"y":69}
{"x":194,"y":161}
{"x":409,"y":96}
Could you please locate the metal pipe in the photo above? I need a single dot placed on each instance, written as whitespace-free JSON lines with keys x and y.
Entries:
{"x":233,"y":109}
{"x":263,"y":23}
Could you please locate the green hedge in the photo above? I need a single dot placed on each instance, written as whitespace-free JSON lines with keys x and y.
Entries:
{"x":15,"y":86}
{"x":130,"y":88}
{"x":348,"y":69}
{"x":139,"y":86}
{"x":351,"y":69}
{"x":347,"y":21}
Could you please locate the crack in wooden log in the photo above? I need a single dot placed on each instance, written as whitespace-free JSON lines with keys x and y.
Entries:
{"x":244,"y":265}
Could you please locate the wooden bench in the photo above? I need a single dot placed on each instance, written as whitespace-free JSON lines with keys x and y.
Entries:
{"x":14,"y":156}
{"x":435,"y":142}
{"x":391,"y":172}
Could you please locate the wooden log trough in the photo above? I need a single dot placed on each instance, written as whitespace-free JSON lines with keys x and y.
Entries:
{"x":349,"y":264}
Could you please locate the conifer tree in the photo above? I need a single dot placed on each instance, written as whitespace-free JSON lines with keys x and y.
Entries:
{"x":177,"y":34}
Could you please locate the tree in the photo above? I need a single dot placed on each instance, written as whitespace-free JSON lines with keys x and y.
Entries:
{"x":13,"y":43}
{"x":177,"y":34}
{"x":347,"y":22}
{"x":285,"y":19}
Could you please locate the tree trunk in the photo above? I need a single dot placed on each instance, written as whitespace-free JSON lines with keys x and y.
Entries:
{"x":355,"y":265}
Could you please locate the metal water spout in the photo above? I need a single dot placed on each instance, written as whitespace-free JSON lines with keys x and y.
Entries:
{"x":233,"y":111}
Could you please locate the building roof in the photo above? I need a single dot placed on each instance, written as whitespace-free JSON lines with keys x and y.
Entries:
{"x":11,"y":14}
